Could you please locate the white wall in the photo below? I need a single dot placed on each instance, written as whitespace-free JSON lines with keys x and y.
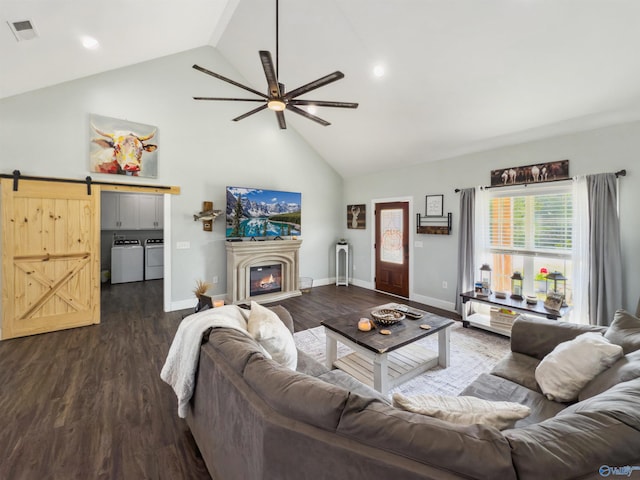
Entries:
{"x":46,"y":133}
{"x":603,"y":150}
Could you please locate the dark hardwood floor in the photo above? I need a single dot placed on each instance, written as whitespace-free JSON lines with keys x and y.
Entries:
{"x":88,"y":403}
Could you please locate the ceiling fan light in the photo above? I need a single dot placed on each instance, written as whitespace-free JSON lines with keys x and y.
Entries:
{"x":276,"y":105}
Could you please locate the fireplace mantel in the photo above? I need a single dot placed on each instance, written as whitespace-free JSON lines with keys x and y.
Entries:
{"x":241,"y":256}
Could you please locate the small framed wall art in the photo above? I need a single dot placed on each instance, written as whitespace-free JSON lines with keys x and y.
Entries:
{"x":434,"y":206}
{"x":356,"y":216}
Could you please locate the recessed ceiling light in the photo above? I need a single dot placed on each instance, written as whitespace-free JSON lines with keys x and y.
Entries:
{"x":312,"y":109}
{"x":90,"y":43}
{"x":378,"y":71}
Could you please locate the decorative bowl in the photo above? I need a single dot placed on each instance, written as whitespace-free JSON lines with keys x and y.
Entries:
{"x":531,"y":299}
{"x":386,"y":316}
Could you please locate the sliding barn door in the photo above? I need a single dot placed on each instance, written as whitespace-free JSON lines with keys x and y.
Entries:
{"x":50,"y":257}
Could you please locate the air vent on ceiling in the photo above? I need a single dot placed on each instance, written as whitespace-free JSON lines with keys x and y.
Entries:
{"x":23,"y":30}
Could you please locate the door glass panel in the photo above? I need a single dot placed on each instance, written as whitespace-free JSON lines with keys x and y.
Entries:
{"x":391,"y":237}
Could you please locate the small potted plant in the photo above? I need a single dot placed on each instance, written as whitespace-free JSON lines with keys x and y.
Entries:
{"x":541,"y":280}
{"x":204,"y":300}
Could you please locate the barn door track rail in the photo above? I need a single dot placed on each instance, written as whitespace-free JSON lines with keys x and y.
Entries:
{"x":17,"y":176}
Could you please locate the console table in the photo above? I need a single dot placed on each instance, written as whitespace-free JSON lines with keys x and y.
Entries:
{"x":521,"y":306}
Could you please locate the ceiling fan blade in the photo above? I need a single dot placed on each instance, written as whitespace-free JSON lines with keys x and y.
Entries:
{"x":304,"y":113}
{"x":231,"y":99}
{"x":321,"y":82}
{"x":228,"y":80}
{"x":245,"y":115}
{"x":270,"y":73}
{"x":322,"y":103}
{"x":281,"y":121}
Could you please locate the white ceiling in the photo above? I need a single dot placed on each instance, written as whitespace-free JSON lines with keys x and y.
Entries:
{"x":462,"y":75}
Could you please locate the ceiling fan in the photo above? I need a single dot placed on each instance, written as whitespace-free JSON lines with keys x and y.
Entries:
{"x":278,"y":99}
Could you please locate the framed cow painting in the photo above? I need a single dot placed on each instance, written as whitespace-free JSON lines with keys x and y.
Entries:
{"x":122,"y":147}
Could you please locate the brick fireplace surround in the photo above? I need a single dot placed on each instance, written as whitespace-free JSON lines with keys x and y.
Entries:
{"x":241,"y":256}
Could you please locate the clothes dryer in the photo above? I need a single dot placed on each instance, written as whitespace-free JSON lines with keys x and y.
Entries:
{"x":153,"y":258}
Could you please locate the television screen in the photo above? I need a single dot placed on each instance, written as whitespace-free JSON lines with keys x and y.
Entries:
{"x":255,"y":212}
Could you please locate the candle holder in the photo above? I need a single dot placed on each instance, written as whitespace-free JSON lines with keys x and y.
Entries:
{"x":557,"y":283}
{"x":516,"y":286}
{"x":485,"y":279}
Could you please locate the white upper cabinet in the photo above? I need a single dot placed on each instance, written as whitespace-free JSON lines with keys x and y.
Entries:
{"x":151,"y":212}
{"x":131,"y":211}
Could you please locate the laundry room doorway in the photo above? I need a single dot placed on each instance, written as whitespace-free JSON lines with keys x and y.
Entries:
{"x":132,"y":249}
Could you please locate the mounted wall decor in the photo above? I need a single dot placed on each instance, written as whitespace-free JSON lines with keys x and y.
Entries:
{"x":538,"y":173}
{"x":356,"y":216}
{"x":121,"y":147}
{"x":433,"y":205}
{"x":207,"y":216}
{"x":434,"y":221}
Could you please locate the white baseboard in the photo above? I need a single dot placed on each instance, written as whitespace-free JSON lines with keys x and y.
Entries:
{"x":362,"y":283}
{"x":434,"y":302}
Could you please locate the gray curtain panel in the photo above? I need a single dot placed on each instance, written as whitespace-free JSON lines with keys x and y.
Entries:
{"x":466,"y":244}
{"x":605,"y":271}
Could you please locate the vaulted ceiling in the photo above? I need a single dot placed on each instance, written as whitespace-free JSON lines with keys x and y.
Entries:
{"x":460,"y":75}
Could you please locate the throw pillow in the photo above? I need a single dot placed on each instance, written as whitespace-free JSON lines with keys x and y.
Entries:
{"x":564,"y":372}
{"x":624,"y":331}
{"x":269,"y":331}
{"x":464,"y":410}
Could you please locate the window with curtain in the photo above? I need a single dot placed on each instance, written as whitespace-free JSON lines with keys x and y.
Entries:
{"x":529,"y":229}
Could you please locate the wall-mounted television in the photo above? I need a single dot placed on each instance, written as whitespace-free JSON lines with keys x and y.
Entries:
{"x":256,"y":212}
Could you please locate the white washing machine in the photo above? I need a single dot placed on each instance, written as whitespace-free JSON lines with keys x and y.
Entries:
{"x":127,"y":261}
{"x":153,"y":258}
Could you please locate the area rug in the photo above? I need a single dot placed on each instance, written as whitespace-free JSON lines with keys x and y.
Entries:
{"x":473,"y":352}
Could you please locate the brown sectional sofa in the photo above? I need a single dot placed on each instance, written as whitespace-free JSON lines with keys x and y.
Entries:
{"x":253,"y":419}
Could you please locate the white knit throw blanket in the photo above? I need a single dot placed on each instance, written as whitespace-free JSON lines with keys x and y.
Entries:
{"x":179,"y":369}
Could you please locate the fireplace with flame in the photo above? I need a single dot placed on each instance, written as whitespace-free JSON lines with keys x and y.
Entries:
{"x":262,"y":271}
{"x":265,"y":279}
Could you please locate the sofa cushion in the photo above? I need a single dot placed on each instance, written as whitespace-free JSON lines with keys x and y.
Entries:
{"x":346,"y":381}
{"x":537,"y":337}
{"x":518,"y":368}
{"x":625,"y":369}
{"x":235,"y":347}
{"x":571,"y":365}
{"x":266,"y":327}
{"x":490,"y":387}
{"x":309,"y":365}
{"x":621,"y":402}
{"x":572,"y":446}
{"x":624,"y":331}
{"x":296,"y":395}
{"x":284,"y":315}
{"x":466,"y":410}
{"x":462,"y":449}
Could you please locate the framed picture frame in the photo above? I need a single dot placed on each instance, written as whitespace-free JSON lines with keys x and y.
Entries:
{"x":434,"y":207}
{"x":537,"y":173}
{"x":357,"y":216}
{"x":122,"y":147}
